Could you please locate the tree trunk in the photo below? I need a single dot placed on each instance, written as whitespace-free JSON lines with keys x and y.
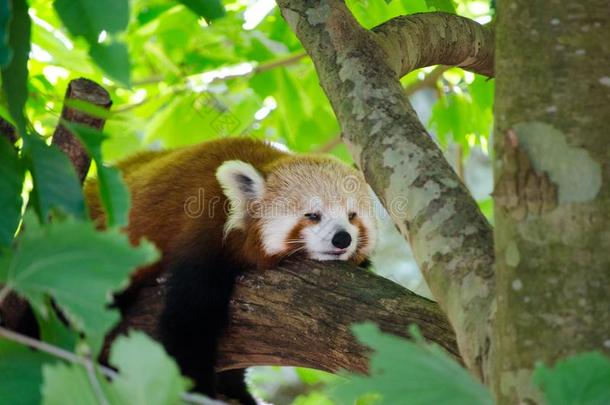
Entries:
{"x":552,"y":171}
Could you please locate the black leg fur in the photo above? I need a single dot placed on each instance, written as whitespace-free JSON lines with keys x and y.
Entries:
{"x":196,"y":315}
{"x":231,"y":384}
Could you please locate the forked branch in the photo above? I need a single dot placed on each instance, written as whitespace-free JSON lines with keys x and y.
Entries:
{"x":359,"y":70}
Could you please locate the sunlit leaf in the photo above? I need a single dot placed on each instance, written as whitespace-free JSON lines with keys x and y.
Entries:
{"x":86,"y":107}
{"x":67,"y":384}
{"x":147,"y":374}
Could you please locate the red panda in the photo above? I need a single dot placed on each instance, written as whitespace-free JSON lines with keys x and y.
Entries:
{"x":223,"y":206}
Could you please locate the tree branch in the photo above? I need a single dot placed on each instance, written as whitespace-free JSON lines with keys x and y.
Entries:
{"x":449,"y":40}
{"x":300,"y":314}
{"x":90,"y":92}
{"x":451,"y":239}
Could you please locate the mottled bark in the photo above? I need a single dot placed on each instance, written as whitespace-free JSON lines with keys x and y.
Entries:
{"x":553,"y":187}
{"x":359,"y":71}
{"x":92,"y":93}
{"x":300,"y":314}
{"x":426,"y":39}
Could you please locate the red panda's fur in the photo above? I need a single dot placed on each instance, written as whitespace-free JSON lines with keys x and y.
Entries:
{"x":196,"y":248}
{"x":161,"y":183}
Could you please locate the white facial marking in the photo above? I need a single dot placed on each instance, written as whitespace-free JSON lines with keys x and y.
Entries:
{"x":275,"y":230}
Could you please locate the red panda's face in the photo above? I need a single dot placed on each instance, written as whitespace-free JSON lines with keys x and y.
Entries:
{"x":314,"y":206}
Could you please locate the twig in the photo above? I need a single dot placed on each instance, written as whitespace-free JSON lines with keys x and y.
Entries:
{"x":330,"y":145}
{"x":95,"y":384}
{"x":289,"y":60}
{"x":85,"y":362}
{"x":262,"y":67}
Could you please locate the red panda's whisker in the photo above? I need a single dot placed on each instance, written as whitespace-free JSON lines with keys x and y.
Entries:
{"x":293,"y":251}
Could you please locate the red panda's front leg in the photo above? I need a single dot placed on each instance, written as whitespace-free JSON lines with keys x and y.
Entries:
{"x":196,"y":315}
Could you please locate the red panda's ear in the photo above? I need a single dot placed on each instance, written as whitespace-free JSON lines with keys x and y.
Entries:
{"x":241,"y":183}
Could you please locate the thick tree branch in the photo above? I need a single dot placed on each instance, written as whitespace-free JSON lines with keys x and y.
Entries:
{"x":451,"y":239}
{"x":90,"y":92}
{"x":449,"y":40}
{"x":300,"y":314}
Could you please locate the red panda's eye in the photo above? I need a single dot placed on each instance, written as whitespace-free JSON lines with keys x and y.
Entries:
{"x":313,"y":216}
{"x":351,"y":215}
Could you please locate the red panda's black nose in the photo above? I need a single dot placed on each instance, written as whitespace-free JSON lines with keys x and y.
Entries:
{"x":342,"y":239}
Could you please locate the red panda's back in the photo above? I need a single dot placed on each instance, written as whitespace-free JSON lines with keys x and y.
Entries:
{"x":175,"y":197}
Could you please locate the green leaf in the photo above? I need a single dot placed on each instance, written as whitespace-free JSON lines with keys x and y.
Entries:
{"x":56,"y":184}
{"x":583,"y":379}
{"x":6,"y":53}
{"x":65,"y":384}
{"x":147,"y":374}
{"x":55,"y":331}
{"x":15,"y":74}
{"x":406,"y":372}
{"x":113,"y":191}
{"x":441,"y":5}
{"x":113,"y":59}
{"x":208,"y":9}
{"x":313,"y":398}
{"x":20,"y":373}
{"x":290,"y":104}
{"x":88,"y":18}
{"x":86,"y":107}
{"x":61,"y":258}
{"x":11,"y":183}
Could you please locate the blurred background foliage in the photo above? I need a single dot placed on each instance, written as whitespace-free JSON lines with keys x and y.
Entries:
{"x":246,"y":74}
{"x":181,"y":72}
